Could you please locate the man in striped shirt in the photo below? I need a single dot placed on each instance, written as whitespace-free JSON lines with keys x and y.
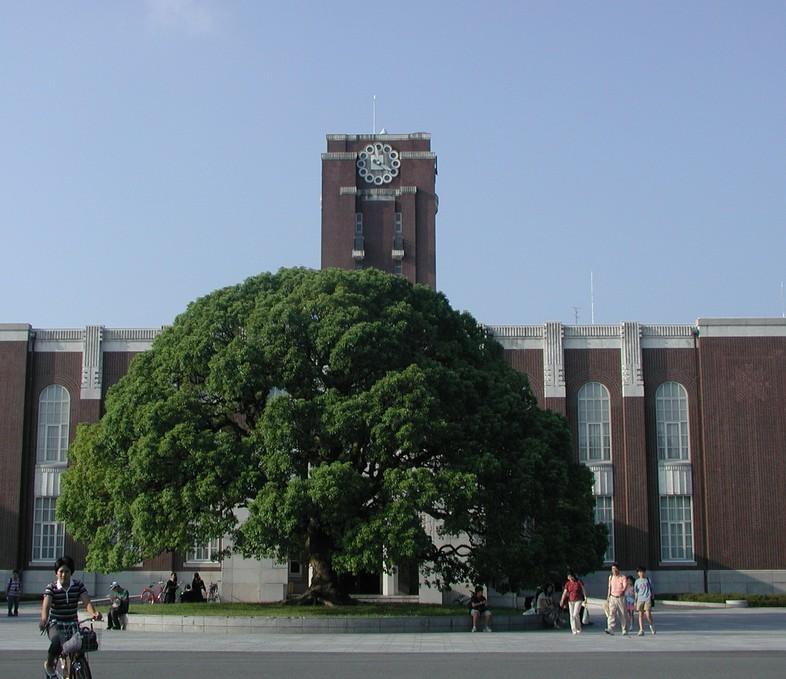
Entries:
{"x":59,"y":607}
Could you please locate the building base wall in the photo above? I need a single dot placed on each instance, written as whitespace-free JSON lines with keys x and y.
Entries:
{"x":679,"y":581}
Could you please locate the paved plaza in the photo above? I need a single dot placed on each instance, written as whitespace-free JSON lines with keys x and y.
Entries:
{"x":678,"y":629}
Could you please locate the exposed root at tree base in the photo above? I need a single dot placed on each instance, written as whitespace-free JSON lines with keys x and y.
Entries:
{"x":321,"y":598}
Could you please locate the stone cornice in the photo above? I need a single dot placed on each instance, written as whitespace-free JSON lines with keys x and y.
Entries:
{"x":14,"y":332}
{"x":741,"y":327}
{"x":418,"y":155}
{"x":385,"y":194}
{"x":83,"y":341}
{"x":379,"y":137}
{"x":340,"y":155}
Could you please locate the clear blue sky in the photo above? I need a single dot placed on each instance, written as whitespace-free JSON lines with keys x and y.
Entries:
{"x":154,"y":151}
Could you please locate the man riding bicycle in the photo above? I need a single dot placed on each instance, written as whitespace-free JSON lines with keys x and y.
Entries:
{"x":59,"y":608}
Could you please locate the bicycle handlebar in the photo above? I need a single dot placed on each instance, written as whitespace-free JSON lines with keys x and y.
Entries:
{"x":51,"y":623}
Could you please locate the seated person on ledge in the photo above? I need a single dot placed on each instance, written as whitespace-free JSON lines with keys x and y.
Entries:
{"x":479,"y":606}
{"x":547,"y":608}
{"x":187,"y":596}
{"x":119,"y":602}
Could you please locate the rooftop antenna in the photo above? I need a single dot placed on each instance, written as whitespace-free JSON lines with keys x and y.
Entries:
{"x":374,"y":114}
{"x":576,"y":314}
{"x":783,"y":303}
{"x":592,"y":297}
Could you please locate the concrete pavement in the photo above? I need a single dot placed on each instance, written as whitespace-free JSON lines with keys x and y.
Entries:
{"x":679,"y":630}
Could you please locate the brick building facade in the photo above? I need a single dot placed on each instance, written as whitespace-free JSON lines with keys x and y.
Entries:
{"x":683,"y":426}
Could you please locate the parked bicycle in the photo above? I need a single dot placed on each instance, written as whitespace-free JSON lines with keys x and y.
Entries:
{"x":72,"y":662}
{"x":212,"y":593}
{"x":154,"y":594}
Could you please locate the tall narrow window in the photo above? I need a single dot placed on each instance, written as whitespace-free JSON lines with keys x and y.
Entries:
{"x":54,"y":413}
{"x":594,"y":423}
{"x":604,"y":515}
{"x":671,"y":417}
{"x":358,"y":242}
{"x":48,"y":534}
{"x":205,"y":553}
{"x":399,"y":225}
{"x":676,"y":528}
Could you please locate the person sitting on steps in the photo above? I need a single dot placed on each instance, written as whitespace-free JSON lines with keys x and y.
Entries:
{"x":478,"y":605}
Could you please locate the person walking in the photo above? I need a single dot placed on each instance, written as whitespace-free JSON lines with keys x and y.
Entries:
{"x":13,"y":592}
{"x":644,"y":599}
{"x":574,"y":593}
{"x":630,"y":603}
{"x":616,"y":598}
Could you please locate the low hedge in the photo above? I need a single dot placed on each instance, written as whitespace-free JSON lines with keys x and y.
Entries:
{"x":754,"y":600}
{"x":280,"y":611}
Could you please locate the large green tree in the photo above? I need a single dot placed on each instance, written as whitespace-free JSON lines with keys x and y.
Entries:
{"x":330,"y":413}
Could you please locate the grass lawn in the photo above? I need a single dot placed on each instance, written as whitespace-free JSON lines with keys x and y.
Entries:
{"x":279,"y":611}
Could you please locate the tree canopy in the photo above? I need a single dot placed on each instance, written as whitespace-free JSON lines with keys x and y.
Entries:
{"x":340,"y":410}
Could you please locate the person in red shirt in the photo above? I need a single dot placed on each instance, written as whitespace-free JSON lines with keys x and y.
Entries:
{"x":574,"y":593}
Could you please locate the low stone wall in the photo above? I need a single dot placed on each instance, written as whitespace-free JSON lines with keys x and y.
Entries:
{"x":330,"y":625}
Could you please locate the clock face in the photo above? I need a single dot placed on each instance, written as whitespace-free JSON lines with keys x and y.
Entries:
{"x":378,"y":163}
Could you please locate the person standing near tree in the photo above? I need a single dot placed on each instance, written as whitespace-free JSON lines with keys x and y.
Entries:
{"x":170,"y":589}
{"x":12,"y":593}
{"x":198,"y":589}
{"x":616,"y":598}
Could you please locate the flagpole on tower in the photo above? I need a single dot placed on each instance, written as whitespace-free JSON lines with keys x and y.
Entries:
{"x":374,"y":114}
{"x":592,"y":297}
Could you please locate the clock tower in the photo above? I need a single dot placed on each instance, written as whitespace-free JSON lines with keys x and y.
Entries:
{"x":379,"y":204}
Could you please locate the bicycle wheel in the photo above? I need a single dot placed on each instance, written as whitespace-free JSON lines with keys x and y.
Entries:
{"x":147,"y":597}
{"x":80,"y":669}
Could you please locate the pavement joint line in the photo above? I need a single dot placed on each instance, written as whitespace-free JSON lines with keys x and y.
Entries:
{"x":711,"y":630}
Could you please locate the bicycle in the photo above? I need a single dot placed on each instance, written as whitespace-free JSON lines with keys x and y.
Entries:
{"x":154,"y":594}
{"x":213,"y":596}
{"x":72,"y":662}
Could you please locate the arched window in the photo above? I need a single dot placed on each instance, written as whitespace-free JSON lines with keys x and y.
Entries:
{"x":54,"y":413}
{"x":671,"y":419}
{"x":594,"y":423}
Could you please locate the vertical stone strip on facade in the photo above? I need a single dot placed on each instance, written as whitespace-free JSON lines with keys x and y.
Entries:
{"x":632,"y":376}
{"x":553,"y":362}
{"x":92,"y":374}
{"x":635,"y":521}
{"x":554,"y":367}
{"x":91,"y":363}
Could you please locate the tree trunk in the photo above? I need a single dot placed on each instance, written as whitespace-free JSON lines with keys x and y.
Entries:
{"x":324,"y":588}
